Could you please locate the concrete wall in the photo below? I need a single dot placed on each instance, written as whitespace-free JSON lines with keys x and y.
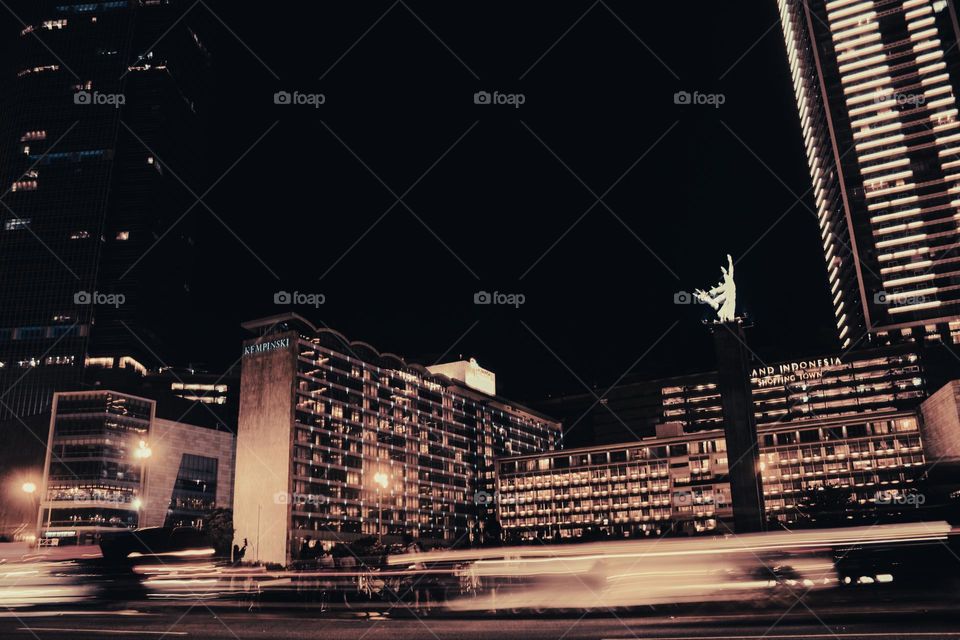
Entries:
{"x":264,"y":451}
{"x":168,"y":442}
{"x":941,"y":424}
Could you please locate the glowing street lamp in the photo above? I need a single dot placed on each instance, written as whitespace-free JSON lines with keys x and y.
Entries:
{"x":142,"y":452}
{"x":381,"y":480}
{"x":29,"y":487}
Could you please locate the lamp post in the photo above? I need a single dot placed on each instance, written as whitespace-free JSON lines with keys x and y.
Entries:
{"x":381,"y":480}
{"x":30,"y":488}
{"x":141,"y":453}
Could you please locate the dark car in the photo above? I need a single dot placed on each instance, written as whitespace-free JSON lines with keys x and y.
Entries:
{"x":156,"y":542}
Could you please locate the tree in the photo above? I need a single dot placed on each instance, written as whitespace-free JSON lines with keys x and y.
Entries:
{"x":219,"y":526}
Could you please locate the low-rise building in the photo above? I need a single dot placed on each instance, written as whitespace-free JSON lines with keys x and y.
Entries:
{"x":833,"y":470}
{"x":113,"y":464}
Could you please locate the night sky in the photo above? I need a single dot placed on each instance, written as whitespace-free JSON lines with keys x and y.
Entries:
{"x":496,"y":189}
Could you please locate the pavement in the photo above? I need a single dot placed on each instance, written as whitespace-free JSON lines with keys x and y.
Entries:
{"x":198,"y":622}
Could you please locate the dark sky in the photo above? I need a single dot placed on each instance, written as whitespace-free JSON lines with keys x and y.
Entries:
{"x":695,"y":182}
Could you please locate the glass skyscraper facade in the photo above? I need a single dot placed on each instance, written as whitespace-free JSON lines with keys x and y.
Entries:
{"x":96,"y":103}
{"x":875,"y":83}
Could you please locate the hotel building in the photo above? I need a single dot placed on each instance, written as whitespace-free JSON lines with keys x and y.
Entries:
{"x":829,"y":472}
{"x":337,"y":441}
{"x":112,"y":463}
{"x":875,"y":84}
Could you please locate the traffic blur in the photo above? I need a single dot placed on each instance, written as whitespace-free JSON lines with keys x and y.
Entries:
{"x":753,"y":571}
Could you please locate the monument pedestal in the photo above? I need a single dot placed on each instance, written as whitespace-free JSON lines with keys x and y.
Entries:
{"x":739,"y":425}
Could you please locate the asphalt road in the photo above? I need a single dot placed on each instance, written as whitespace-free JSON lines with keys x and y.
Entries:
{"x":199,"y":622}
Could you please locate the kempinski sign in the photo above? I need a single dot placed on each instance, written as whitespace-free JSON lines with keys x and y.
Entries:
{"x":792,"y":371}
{"x":261,"y":347}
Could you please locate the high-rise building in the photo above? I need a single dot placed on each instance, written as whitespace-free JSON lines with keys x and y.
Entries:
{"x":101,"y":109}
{"x":875,"y":84}
{"x":337,"y":441}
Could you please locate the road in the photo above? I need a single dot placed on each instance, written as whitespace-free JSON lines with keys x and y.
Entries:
{"x":198,"y":622}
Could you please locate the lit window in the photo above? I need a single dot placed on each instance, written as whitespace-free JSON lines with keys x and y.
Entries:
{"x":24,"y":185}
{"x":34,"y":135}
{"x":79,"y":235}
{"x":123,"y":235}
{"x":40,"y":69}
{"x":50,"y":25}
{"x":15,"y":224}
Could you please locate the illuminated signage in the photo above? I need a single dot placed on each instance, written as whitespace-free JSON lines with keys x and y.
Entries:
{"x":788,"y":372}
{"x":262,"y":347}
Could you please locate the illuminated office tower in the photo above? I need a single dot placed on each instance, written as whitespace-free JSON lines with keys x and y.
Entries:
{"x":875,"y":87}
{"x":101,"y":110}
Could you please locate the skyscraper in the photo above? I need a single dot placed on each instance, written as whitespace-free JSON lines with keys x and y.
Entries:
{"x":99,"y":98}
{"x":875,"y":83}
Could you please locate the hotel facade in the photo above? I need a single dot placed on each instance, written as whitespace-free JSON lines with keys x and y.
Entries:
{"x":875,"y":84}
{"x":337,"y":441}
{"x":824,"y":472}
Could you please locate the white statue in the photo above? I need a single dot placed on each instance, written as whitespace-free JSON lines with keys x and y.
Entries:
{"x":723,"y":297}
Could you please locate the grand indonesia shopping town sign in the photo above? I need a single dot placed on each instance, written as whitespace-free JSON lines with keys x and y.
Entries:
{"x":788,"y":372}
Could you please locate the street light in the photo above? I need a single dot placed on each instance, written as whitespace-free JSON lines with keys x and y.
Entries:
{"x":381,"y":480}
{"x":30,"y":488}
{"x":141,"y":453}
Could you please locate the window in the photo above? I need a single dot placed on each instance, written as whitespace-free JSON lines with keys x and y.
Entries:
{"x":15,"y":224}
{"x":33,"y":135}
{"x":79,"y":235}
{"x":41,"y":69}
{"x":123,"y":235}
{"x":24,"y":185}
